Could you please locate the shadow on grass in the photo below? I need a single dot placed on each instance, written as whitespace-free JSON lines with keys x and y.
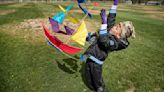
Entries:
{"x":68,"y":65}
{"x":73,"y":66}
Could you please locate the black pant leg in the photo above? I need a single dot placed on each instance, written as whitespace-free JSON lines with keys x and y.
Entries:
{"x":97,"y":78}
{"x":88,"y":76}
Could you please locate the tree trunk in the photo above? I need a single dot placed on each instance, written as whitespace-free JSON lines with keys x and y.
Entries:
{"x":139,"y":1}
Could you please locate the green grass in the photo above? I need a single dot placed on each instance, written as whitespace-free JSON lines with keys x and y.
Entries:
{"x":143,"y":61}
{"x":27,"y":66}
{"x":30,"y":11}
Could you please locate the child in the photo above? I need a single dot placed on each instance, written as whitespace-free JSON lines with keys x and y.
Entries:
{"x":111,"y":38}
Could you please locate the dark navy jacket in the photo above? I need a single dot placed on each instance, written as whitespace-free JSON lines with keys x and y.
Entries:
{"x":105,"y":44}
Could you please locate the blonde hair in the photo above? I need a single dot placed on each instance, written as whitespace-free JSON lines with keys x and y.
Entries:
{"x":127,"y":27}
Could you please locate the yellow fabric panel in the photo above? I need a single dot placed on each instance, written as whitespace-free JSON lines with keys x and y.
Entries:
{"x":81,"y":34}
{"x":61,"y":8}
{"x":73,"y":20}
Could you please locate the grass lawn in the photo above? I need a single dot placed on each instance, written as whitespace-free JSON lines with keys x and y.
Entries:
{"x":28,"y":64}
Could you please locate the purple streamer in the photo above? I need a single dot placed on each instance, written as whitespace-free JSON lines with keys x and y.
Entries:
{"x":69,"y":31}
{"x":54,"y":24}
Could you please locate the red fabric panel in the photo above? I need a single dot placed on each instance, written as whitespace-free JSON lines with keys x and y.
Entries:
{"x":69,"y":49}
{"x":53,"y":40}
{"x":59,"y":44}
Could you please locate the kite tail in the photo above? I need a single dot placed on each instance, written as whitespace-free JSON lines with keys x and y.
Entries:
{"x":84,"y":10}
{"x":69,"y":31}
{"x":54,"y":25}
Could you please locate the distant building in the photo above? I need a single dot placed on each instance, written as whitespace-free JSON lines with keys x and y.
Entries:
{"x":154,"y":3}
{"x":129,"y":2}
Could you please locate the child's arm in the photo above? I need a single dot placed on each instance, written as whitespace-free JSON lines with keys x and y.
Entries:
{"x":91,"y":37}
{"x":118,"y":44}
{"x":122,"y":44}
{"x":104,"y":36}
{"x":112,"y":15}
{"x":103,"y":29}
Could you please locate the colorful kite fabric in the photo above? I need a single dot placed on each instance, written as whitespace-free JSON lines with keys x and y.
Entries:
{"x":59,"y":17}
{"x":69,"y":31}
{"x":73,"y":20}
{"x":81,"y":1}
{"x":48,"y":41}
{"x":81,"y":34}
{"x":61,"y":8}
{"x":59,"y":44}
{"x":85,"y":11}
{"x":96,"y":4}
{"x":54,"y":24}
{"x":69,"y":8}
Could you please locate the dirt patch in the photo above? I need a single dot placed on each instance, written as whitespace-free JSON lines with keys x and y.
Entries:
{"x":34,"y":24}
{"x":151,"y":13}
{"x":17,"y":5}
{"x":32,"y":29}
{"x":28,"y":30}
{"x":158,"y":89}
{"x":5,"y":12}
{"x":130,"y":90}
{"x":154,"y":14}
{"x":157,"y":16}
{"x":94,"y":12}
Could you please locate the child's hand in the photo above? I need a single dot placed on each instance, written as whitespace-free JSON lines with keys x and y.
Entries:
{"x":116,"y":2}
{"x":103,"y":16}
